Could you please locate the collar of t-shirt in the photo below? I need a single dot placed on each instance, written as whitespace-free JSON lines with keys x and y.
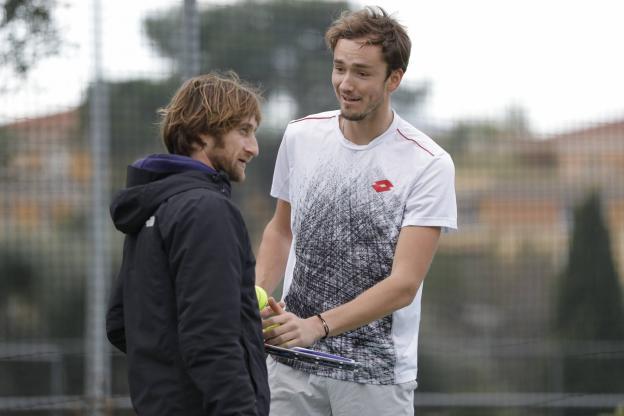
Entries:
{"x":375,"y":142}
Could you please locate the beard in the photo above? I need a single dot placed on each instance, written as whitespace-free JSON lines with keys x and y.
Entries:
{"x":359,"y":116}
{"x":235,"y":173}
{"x":353,"y":116}
{"x":221,"y":162}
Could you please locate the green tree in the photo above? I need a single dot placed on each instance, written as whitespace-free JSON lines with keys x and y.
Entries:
{"x":278,"y":44}
{"x":16,"y":288}
{"x":133,"y":120}
{"x":589,"y":306}
{"x":28,"y":33}
{"x":590,"y":299}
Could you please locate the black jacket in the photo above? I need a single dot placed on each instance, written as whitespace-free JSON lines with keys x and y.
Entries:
{"x":184,"y":307}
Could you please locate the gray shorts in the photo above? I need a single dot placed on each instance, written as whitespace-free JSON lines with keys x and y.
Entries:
{"x":294,"y":392}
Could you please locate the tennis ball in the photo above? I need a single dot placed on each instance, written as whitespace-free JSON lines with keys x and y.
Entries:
{"x":263,"y":298}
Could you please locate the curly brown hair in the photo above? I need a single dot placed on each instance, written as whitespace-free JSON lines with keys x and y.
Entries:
{"x":378,"y":28}
{"x":210,"y":104}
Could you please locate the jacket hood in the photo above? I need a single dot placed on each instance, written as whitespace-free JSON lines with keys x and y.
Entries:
{"x":153,"y":180}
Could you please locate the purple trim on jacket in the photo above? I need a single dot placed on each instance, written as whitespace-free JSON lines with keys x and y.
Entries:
{"x":171,"y":163}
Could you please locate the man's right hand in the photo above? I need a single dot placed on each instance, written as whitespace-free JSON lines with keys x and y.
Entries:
{"x":285,"y":329}
{"x":273,"y":308}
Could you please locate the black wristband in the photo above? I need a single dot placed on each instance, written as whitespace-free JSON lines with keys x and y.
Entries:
{"x":325,"y":326}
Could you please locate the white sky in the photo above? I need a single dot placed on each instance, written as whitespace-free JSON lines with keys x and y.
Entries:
{"x":561,"y":60}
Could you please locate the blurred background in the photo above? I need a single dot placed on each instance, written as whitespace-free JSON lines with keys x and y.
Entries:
{"x":522,"y":308}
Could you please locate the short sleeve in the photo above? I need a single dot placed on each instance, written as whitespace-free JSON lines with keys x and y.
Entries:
{"x":281,"y":183}
{"x":432,"y":201}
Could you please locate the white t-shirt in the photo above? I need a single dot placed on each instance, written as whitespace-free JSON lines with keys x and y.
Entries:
{"x":348,"y":205}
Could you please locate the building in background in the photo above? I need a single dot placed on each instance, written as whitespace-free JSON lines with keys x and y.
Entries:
{"x":45,"y":172}
{"x":525,"y":191}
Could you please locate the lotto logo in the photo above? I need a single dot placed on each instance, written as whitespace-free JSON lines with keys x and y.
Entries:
{"x":382,"y":185}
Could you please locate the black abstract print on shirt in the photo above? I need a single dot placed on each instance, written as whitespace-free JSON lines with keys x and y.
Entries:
{"x":346,"y":231}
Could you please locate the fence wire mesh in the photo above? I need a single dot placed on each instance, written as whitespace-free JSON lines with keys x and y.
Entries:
{"x":508,"y":326}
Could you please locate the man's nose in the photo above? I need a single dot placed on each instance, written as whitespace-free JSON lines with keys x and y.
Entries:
{"x":251,"y":146}
{"x":347,"y":82}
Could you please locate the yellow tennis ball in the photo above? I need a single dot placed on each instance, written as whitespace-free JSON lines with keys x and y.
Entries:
{"x":270,"y":327}
{"x":263,"y":298}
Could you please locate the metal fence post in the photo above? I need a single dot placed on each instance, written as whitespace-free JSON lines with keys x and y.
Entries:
{"x":97,"y":365}
{"x":190,"y":61}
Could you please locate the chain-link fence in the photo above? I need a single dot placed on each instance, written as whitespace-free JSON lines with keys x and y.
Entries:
{"x":522,"y":308}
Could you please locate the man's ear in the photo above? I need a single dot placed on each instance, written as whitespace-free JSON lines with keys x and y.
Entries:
{"x":207,"y":141}
{"x":394,"y":80}
{"x":199,"y":147}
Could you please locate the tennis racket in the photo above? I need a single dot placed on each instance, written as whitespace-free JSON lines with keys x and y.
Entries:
{"x":312,"y":356}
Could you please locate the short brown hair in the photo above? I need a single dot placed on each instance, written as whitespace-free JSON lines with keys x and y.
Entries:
{"x":210,"y":104}
{"x":378,"y":28}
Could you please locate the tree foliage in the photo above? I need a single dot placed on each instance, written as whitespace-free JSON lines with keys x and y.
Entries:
{"x":589,"y":306}
{"x":278,"y":44}
{"x":589,"y":314}
{"x":28,"y":33}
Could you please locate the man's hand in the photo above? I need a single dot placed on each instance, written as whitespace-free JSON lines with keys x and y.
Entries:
{"x":285,"y":329}
{"x":273,"y":308}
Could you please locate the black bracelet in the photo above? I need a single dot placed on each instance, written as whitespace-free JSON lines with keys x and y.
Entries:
{"x":325,"y":326}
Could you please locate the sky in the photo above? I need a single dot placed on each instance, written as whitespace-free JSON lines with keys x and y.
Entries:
{"x":559,"y":60}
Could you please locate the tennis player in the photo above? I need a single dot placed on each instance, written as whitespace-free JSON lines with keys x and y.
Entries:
{"x":362,"y":197}
{"x":184,"y":307}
